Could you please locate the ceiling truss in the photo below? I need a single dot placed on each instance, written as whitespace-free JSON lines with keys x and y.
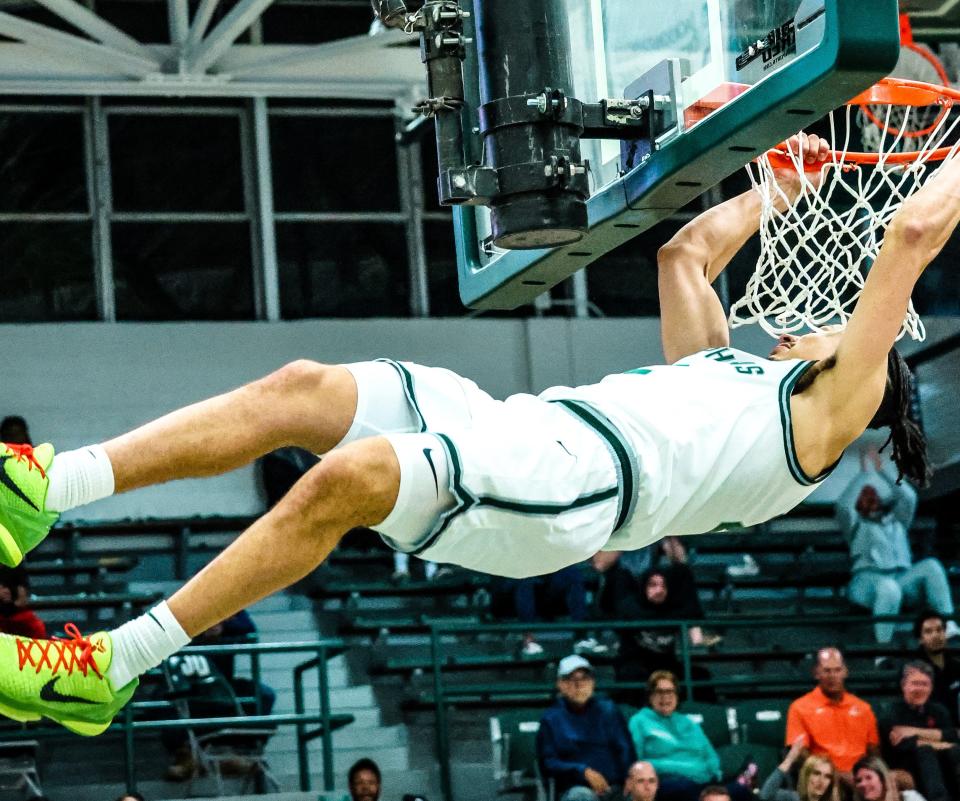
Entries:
{"x":201,"y":59}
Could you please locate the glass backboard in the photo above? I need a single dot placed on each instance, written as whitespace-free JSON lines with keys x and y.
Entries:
{"x":740,"y":76}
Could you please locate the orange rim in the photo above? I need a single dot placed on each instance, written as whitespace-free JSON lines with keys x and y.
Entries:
{"x":888,"y":91}
{"x":915,"y":99}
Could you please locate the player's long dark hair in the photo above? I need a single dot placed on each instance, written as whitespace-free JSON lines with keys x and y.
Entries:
{"x":909,"y":443}
{"x":906,"y":436}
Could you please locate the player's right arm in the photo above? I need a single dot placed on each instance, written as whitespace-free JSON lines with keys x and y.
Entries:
{"x":691,"y":315}
{"x":854,"y":388}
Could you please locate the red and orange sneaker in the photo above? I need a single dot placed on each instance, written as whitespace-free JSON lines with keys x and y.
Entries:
{"x":61,"y":679}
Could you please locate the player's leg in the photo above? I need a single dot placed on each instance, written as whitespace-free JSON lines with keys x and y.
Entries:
{"x":927,"y":580}
{"x":305,"y":403}
{"x":82,"y":683}
{"x":879,"y":593}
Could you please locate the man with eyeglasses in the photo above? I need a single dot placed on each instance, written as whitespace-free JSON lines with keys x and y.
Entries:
{"x":583,"y":746}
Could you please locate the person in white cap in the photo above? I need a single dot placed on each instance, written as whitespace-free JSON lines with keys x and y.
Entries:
{"x":583,"y":746}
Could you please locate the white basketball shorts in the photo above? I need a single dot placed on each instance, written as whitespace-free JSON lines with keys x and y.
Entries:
{"x":529,"y":486}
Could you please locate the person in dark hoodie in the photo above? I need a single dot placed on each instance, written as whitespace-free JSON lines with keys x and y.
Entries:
{"x":583,"y":745}
{"x":658,"y":594}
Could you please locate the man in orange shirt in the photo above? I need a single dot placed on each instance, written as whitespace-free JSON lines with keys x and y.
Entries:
{"x":834,"y":723}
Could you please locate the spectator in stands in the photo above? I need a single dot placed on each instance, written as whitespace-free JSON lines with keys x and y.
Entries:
{"x":659,"y":594}
{"x":919,"y":737}
{"x":875,"y":514}
{"x":677,"y":748}
{"x":237,"y":630}
{"x":13,"y":429}
{"x":281,"y":469}
{"x":546,"y":598}
{"x":714,"y":792}
{"x":401,"y":568}
{"x":835,"y":723}
{"x":641,"y":782}
{"x":16,"y":616}
{"x":212,"y":689}
{"x":931,"y":631}
{"x":670,"y":555}
{"x":363,"y":780}
{"x":583,"y":745}
{"x":873,"y":782}
{"x":816,"y":781}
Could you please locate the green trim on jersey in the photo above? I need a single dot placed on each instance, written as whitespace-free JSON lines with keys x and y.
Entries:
{"x":789,"y":446}
{"x":406,"y":378}
{"x":628,"y":466}
{"x":466,"y":500}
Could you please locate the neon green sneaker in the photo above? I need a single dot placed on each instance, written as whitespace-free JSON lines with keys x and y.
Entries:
{"x":61,"y":679}
{"x":24,"y":521}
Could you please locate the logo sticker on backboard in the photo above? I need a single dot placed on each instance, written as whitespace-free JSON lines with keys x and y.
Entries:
{"x":772,"y":48}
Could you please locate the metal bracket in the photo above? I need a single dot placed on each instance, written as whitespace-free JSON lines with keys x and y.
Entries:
{"x":657,"y":92}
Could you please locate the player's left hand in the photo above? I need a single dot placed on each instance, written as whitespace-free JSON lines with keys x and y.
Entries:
{"x":813,"y":151}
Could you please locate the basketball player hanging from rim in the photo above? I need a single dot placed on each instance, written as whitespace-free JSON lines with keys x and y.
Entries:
{"x":715,"y":437}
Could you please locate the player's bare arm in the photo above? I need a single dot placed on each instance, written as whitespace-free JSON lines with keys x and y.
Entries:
{"x":691,"y":315}
{"x":849,"y":394}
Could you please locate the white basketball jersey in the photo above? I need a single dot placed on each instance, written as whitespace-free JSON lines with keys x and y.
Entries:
{"x":713,"y":437}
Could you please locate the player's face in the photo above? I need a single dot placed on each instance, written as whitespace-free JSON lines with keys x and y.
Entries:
{"x":933,"y":635}
{"x":813,"y":347}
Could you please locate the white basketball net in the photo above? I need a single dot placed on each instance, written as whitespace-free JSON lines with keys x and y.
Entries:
{"x":918,"y":64}
{"x":814,"y":255}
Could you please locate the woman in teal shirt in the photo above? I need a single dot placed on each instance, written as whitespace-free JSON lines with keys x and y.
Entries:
{"x":677,"y":748}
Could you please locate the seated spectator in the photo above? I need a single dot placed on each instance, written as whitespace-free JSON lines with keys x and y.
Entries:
{"x":547,"y":598}
{"x":211,"y":693}
{"x":875,"y":514}
{"x":816,"y":781}
{"x":667,"y":593}
{"x":835,"y":724}
{"x":670,"y":555}
{"x":931,"y":631}
{"x":363,"y":780}
{"x":677,"y":748}
{"x":14,"y":430}
{"x":919,"y":737}
{"x":873,"y":782}
{"x":642,"y":782}
{"x":583,"y":746}
{"x":401,"y":567}
{"x":16,"y":616}
{"x":236,"y":630}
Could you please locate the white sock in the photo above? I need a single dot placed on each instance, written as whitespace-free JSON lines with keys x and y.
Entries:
{"x":144,"y":643}
{"x":79,"y":477}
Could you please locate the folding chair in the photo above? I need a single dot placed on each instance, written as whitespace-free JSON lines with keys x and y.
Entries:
{"x":18,"y":766}
{"x":197,"y":690}
{"x":513,"y":734}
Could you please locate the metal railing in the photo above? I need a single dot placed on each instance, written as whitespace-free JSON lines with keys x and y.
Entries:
{"x":321,"y":650}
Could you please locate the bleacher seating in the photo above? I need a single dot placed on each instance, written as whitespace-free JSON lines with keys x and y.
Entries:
{"x":755,"y":671}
